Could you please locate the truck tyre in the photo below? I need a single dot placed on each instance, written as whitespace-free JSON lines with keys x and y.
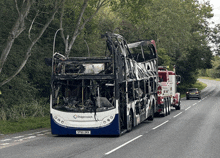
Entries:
{"x":178,"y":107}
{"x":164,"y":109}
{"x":169,"y":107}
{"x":130,"y":121}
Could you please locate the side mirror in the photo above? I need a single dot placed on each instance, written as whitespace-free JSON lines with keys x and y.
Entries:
{"x":178,"y":79}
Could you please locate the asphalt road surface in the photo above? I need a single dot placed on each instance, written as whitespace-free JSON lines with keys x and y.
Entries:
{"x":192,"y":132}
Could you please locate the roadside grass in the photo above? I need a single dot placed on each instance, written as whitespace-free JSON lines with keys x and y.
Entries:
{"x":210,"y":78}
{"x":198,"y":84}
{"x":24,"y":124}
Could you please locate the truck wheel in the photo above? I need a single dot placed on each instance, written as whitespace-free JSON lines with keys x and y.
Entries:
{"x":178,"y":107}
{"x":169,"y":107}
{"x":164,"y":109}
{"x":130,"y":123}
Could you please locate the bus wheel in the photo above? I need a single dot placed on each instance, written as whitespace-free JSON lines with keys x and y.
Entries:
{"x":130,"y":121}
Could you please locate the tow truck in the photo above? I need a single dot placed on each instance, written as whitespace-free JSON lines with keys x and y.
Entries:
{"x":167,"y":91}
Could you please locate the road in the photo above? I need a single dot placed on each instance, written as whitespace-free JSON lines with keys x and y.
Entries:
{"x":192,"y":132}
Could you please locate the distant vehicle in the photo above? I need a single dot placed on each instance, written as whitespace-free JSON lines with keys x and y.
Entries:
{"x":193,"y":93}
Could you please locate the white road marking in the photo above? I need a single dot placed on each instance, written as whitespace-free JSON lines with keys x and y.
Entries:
{"x":177,"y":114}
{"x":5,"y":140}
{"x":160,"y":124}
{"x":18,"y":137}
{"x":37,"y":132}
{"x":194,"y":104}
{"x":123,"y":145}
{"x":188,"y":108}
{"x":48,"y":133}
{"x":19,"y":140}
{"x":29,"y":137}
{"x":4,"y":144}
{"x":30,"y":134}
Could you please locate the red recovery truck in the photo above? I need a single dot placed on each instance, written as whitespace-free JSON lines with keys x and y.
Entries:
{"x":167,"y":91}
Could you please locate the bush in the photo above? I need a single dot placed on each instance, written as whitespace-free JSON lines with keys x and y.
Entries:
{"x":25,"y":110}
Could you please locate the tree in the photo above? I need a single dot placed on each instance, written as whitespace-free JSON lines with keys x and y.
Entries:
{"x":215,"y":38}
{"x":23,"y":10}
{"x":82,"y":17}
{"x":180,"y":29}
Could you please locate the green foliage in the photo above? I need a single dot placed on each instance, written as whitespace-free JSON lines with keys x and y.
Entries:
{"x":179,"y":28}
{"x":215,"y":38}
{"x":22,"y":111}
{"x":215,"y":71}
{"x":7,"y":127}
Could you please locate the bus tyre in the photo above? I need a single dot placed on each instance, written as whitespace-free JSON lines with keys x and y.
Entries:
{"x":130,"y":121}
{"x":151,"y":117}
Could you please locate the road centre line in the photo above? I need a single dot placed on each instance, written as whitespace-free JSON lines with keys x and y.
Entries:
{"x":160,"y":124}
{"x":123,"y":145}
{"x":177,"y":114}
{"x":188,"y":108}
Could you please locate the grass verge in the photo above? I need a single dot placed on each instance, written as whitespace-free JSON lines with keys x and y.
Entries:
{"x":8,"y":127}
{"x":210,"y":78}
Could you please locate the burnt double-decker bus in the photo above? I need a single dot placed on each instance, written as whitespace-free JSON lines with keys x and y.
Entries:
{"x":105,"y":95}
